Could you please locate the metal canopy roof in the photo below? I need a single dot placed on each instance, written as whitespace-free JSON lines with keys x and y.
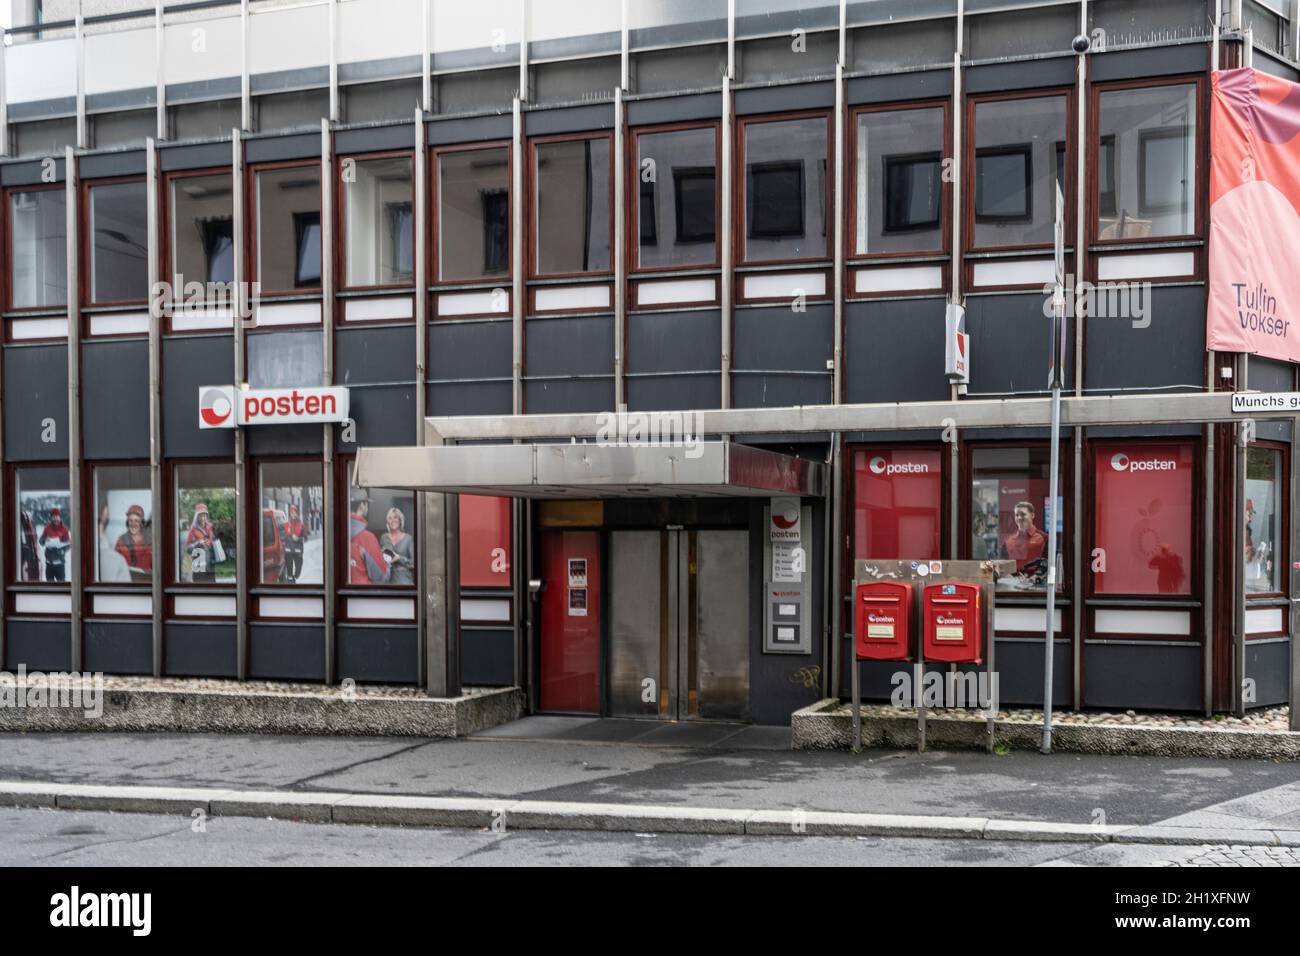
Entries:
{"x":704,"y":469}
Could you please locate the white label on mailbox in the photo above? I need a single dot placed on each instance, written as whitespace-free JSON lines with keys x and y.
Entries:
{"x":949,"y":633}
{"x":883,"y":631}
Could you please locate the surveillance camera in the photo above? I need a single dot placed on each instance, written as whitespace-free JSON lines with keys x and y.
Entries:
{"x":1081,"y":43}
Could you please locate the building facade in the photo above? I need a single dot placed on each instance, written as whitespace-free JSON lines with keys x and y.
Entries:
{"x":531,"y":209}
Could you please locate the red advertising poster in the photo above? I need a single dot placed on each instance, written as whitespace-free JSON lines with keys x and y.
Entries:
{"x":1143,"y":522}
{"x":1254,"y":215}
{"x":897,"y":504}
{"x":484,"y":542}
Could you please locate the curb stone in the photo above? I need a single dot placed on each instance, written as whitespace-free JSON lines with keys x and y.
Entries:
{"x":508,"y":814}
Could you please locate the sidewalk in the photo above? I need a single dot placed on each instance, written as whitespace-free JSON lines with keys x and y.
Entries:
{"x":741,"y":787}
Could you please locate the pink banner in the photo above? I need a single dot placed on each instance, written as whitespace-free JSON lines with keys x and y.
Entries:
{"x":1254,"y":215}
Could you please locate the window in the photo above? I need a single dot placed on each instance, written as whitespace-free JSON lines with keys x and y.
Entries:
{"x":571,"y":208}
{"x":473,"y":207}
{"x":381,"y":536}
{"x":288,"y":228}
{"x":897,"y":504}
{"x":38,"y":254}
{"x":44,"y":537}
{"x":290,"y":522}
{"x":1143,"y":518}
{"x":1147,"y":162}
{"x":1015,"y":169}
{"x":898,"y":181}
{"x":118,"y":222}
{"x":677,"y":212}
{"x":205,"y":523}
{"x":123,"y":514}
{"x":1262,"y":522}
{"x":379,"y":234}
{"x":785,"y":189}
{"x":1011,"y":513}
{"x":202,"y":240}
{"x":484,"y":542}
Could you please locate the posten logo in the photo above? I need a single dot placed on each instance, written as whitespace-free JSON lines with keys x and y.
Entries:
{"x":879,"y":466}
{"x":1122,"y":462}
{"x":216,"y":407}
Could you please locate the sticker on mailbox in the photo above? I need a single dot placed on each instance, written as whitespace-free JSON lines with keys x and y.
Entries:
{"x":950,"y":589}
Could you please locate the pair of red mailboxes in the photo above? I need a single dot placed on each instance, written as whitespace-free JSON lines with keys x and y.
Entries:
{"x":884,"y":623}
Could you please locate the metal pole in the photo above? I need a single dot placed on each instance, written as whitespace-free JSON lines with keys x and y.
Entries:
{"x":4,"y":104}
{"x":160,"y":74}
{"x":421,"y":362}
{"x":517,"y":264}
{"x":426,"y":50}
{"x":245,"y":95}
{"x":74,"y":396}
{"x":620,"y":257}
{"x":334,"y":61}
{"x":155,"y":400}
{"x":329,"y":577}
{"x":80,"y":41}
{"x":727,"y":279}
{"x":1239,"y":563}
{"x":1050,"y":630}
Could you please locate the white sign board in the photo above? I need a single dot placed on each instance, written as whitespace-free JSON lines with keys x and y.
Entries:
{"x":1266,"y":402}
{"x":224,"y":406}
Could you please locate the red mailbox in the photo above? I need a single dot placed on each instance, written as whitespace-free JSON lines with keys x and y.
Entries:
{"x":953,"y":623}
{"x":882,"y":622}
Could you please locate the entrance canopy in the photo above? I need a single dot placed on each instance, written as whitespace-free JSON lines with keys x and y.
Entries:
{"x":701,"y":469}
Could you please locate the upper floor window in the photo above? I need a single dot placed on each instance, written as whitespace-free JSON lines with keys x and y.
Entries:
{"x":898,"y":189}
{"x":38,"y":254}
{"x":473,"y":210}
{"x":572,"y":206}
{"x":1146,"y":162}
{"x":786,"y":189}
{"x":378,"y":225}
{"x":118,"y":226}
{"x":677,"y":198}
{"x":1020,"y":153}
{"x":202,"y":224}
{"x":288,"y":236}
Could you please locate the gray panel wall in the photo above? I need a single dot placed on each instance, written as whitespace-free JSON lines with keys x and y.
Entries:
{"x":469,"y":367}
{"x":1161,"y":676}
{"x":286,"y":652}
{"x":663,"y":345}
{"x":115,"y":399}
{"x":378,"y":365}
{"x":1009,"y":345}
{"x":569,"y":364}
{"x":199,"y":650}
{"x":187,"y":363}
{"x":487,"y":657}
{"x":894,"y":351}
{"x":39,"y":645}
{"x":1169,"y":353}
{"x":36,"y":390}
{"x":780,"y":356}
{"x":1268,"y":663}
{"x":118,"y":647}
{"x":377,"y":654}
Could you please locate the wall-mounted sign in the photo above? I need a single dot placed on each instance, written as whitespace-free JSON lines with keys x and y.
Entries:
{"x":225,"y":406}
{"x":1266,"y":402}
{"x":956,"y":354}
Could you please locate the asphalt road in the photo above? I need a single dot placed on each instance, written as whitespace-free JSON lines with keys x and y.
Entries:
{"x":1060,"y":788}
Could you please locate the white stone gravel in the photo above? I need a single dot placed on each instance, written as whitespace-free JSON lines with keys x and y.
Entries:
{"x":219,"y":686}
{"x":1266,"y":719}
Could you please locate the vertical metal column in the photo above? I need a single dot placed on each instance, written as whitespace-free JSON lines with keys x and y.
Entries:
{"x":523,"y":50}
{"x":421,"y":358}
{"x":334,"y":61}
{"x":441,"y":581}
{"x":154,"y":241}
{"x":245,"y":97}
{"x":238,"y":306}
{"x":1239,"y":567}
{"x":160,"y":74}
{"x":4,"y":105}
{"x":518,"y":290}
{"x":329,"y":576}
{"x":620,"y":250}
{"x":426,"y":51}
{"x":955,"y":270}
{"x":1293,"y":579}
{"x":80,"y":40}
{"x":74,"y":395}
{"x":834,"y":606}
{"x":1080,"y":264}
{"x":727,"y":279}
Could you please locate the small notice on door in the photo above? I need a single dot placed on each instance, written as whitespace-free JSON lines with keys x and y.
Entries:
{"x":577,"y":602}
{"x":577,"y":572}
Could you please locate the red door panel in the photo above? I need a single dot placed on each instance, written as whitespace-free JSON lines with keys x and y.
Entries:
{"x":570,"y":640}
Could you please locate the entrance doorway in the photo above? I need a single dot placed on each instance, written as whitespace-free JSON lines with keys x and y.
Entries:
{"x":679,"y":624}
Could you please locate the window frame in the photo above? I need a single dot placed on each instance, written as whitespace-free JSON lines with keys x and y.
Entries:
{"x":340,"y":237}
{"x":1200,"y":209}
{"x":531,"y":211}
{"x":90,"y":538}
{"x":166,"y":267}
{"x":633,"y":237}
{"x":6,"y":196}
{"x":343,"y":511}
{"x":86,"y":277}
{"x":1065,"y":591}
{"x":172,"y":585}
{"x":435,"y":279}
{"x":252,"y":215}
{"x":851,"y":255}
{"x":970,"y":153}
{"x":1282,"y":559}
{"x":253,"y":528}
{"x":740,"y":223}
{"x":12,"y":561}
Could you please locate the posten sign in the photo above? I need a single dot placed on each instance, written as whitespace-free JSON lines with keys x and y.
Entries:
{"x":225,"y":406}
